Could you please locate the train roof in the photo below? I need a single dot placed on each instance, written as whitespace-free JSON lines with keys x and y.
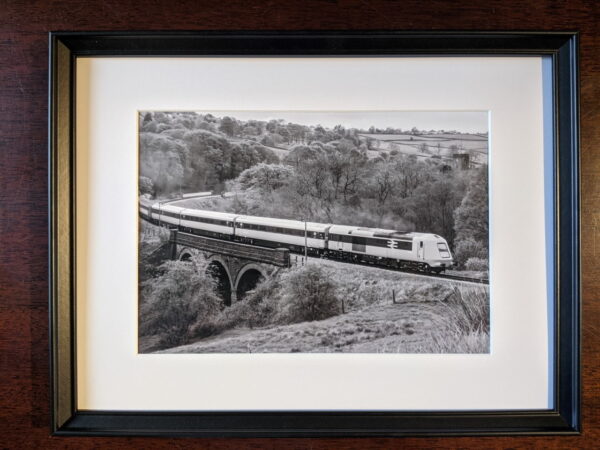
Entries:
{"x":146,"y":202}
{"x":378,"y":232}
{"x":393,"y":234}
{"x":171,"y":208}
{"x":209,"y":214}
{"x":370,"y":232}
{"x":284,"y":223}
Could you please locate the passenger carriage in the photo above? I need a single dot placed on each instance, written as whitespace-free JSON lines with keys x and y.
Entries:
{"x":145,"y":212}
{"x":155,"y":213}
{"x":207,"y":223}
{"x":270,"y":232}
{"x":169,"y":215}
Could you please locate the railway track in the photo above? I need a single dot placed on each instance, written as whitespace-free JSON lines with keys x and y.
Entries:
{"x":483,"y":281}
{"x":450,"y":277}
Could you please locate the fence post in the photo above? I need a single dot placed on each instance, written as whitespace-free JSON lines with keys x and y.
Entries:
{"x":394,"y":296}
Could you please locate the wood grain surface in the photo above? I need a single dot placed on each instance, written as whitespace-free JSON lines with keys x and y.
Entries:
{"x":24,"y":27}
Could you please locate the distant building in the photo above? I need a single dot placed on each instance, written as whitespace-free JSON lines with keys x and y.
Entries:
{"x":461,"y":161}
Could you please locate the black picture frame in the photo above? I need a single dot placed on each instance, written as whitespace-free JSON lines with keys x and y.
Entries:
{"x":67,"y":420}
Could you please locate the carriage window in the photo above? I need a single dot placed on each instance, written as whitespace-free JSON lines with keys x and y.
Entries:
{"x":405,"y":245}
{"x":374,"y":242}
{"x":359,"y":244}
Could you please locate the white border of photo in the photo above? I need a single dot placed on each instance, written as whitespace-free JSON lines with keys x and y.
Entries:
{"x":111,"y":375}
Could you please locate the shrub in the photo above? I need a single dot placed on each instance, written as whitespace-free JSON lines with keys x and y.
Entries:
{"x":307,"y":293}
{"x":257,"y":309}
{"x":469,"y":248}
{"x":301,"y":294}
{"x":180,"y":303}
{"x":268,"y":141}
{"x":476,"y":264}
{"x":146,"y":186}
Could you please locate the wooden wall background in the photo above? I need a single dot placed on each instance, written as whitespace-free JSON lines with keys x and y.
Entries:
{"x":24,"y":27}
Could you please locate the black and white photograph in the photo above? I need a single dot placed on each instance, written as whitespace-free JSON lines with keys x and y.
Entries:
{"x":313,"y":232}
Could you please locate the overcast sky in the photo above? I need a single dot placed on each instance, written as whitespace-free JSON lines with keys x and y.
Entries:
{"x":464,"y":121}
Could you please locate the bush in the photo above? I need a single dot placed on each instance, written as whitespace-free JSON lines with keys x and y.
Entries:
{"x":267,"y":141}
{"x":301,"y":294}
{"x":257,"y":309}
{"x":146,"y":186}
{"x":476,"y":264}
{"x":307,"y":293}
{"x":469,"y":248}
{"x":180,"y":303}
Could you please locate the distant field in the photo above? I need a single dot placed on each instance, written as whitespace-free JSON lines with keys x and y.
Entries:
{"x":427,"y":137}
{"x":424,"y":146}
{"x":445,"y":141}
{"x":411,"y":144}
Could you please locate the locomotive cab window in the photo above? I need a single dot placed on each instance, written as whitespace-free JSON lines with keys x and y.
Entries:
{"x":443,"y":249}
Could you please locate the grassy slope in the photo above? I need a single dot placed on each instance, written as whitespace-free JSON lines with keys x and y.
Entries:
{"x":372,"y":324}
{"x":377,"y":329}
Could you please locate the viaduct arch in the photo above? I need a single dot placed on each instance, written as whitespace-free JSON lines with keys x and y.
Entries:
{"x":235,"y":276}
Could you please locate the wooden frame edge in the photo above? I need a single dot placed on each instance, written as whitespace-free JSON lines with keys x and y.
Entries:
{"x":565,"y":418}
{"x":61,"y":228}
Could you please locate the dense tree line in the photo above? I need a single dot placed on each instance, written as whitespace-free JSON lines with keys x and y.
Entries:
{"x":180,"y":152}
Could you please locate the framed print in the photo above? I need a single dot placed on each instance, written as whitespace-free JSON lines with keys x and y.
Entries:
{"x":314,"y":234}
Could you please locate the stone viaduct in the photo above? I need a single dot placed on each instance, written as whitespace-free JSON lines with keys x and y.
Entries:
{"x":237,"y":267}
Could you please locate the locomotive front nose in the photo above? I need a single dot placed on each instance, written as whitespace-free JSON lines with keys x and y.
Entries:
{"x":444,"y":251}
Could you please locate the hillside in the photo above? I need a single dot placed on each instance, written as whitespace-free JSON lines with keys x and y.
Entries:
{"x":411,"y":327}
{"x":383,"y":312}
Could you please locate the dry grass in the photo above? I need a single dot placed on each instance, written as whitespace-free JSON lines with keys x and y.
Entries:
{"x":455,"y":324}
{"x":463,"y":323}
